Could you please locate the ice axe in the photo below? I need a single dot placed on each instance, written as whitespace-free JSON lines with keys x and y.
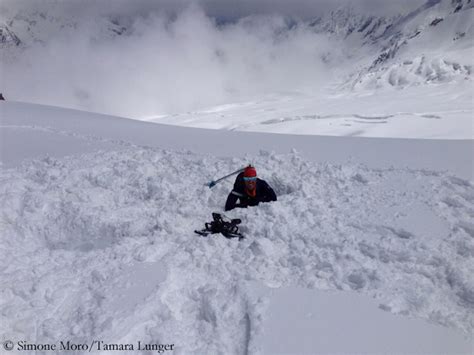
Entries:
{"x":215,"y":182}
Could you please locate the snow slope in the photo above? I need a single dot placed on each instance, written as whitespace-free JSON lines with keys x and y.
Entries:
{"x":438,"y":112}
{"x":97,"y":242}
{"x":47,"y":132}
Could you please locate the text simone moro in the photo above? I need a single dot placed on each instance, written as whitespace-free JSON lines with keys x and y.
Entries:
{"x":95,"y":345}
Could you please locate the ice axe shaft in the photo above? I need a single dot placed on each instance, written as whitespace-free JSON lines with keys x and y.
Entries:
{"x":214,"y":182}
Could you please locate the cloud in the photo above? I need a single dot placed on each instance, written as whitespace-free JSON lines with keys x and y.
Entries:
{"x":174,"y":57}
{"x":167,"y":65}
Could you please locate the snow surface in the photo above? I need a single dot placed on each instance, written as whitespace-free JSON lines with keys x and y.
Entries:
{"x":437,"y":112}
{"x":358,"y":327}
{"x":86,"y":134}
{"x":97,"y":241}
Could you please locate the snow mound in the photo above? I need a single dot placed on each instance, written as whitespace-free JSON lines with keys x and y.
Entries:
{"x":70,"y":229}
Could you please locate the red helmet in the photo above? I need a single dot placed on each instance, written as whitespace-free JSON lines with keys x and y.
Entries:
{"x":250,"y":172}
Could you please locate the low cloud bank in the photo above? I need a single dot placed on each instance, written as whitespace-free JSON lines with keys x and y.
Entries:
{"x":164,"y":64}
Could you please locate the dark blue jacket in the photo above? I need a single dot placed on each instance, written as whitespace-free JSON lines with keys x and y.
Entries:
{"x":264,"y":193}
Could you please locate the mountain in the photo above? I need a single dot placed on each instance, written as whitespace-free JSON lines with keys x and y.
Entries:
{"x":7,"y":37}
{"x":432,"y":44}
{"x":27,"y":28}
{"x":390,"y":44}
{"x":350,"y":51}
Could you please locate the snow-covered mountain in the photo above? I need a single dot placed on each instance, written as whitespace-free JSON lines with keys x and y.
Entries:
{"x":25,"y":29}
{"x":433,"y":44}
{"x":7,"y":37}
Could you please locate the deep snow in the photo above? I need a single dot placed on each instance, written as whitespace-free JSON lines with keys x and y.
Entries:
{"x":99,"y":244}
